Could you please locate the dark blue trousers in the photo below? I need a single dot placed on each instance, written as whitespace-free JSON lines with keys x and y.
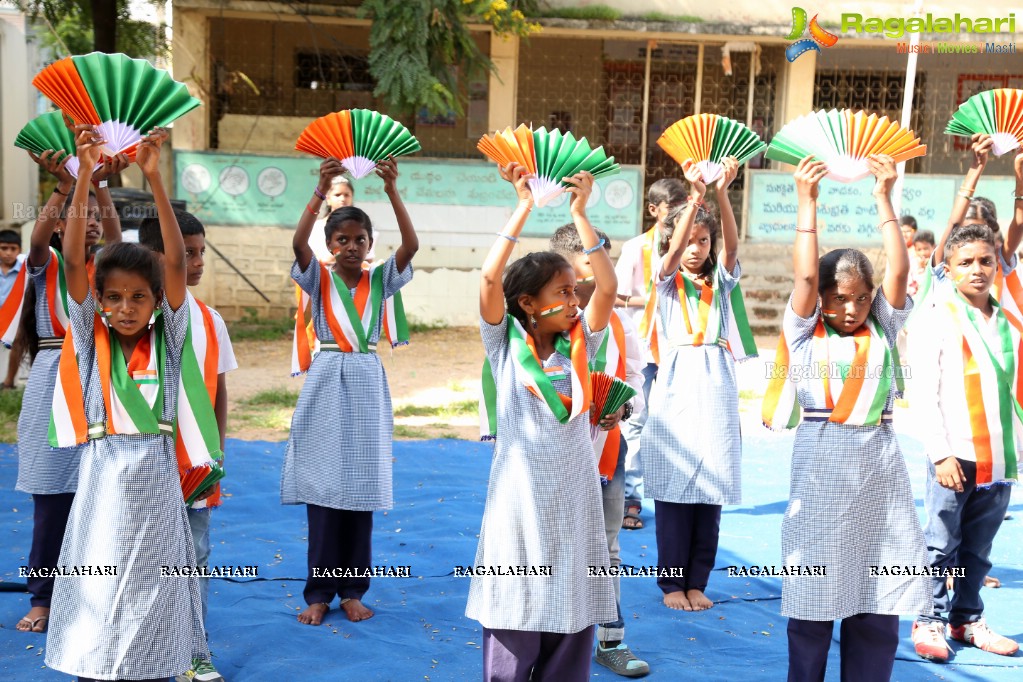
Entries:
{"x":338,"y":538}
{"x":867,"y":644}
{"x":48,"y":524}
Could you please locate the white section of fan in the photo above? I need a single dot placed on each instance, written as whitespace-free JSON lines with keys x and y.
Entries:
{"x":544,"y":189}
{"x":818,"y":140}
{"x":117,"y":137}
{"x":358,"y":166}
{"x":711,"y":171}
{"x":73,"y":164}
{"x":1002,"y":143}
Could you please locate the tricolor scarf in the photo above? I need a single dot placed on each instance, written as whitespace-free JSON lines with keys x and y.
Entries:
{"x":648,"y":322}
{"x":132,"y":390}
{"x":10,"y":311}
{"x":610,"y":359}
{"x":351,"y":319}
{"x":856,"y":394}
{"x":198,"y":435}
{"x":530,"y":371}
{"x":991,"y":379}
{"x":56,"y":298}
{"x":701,"y":313}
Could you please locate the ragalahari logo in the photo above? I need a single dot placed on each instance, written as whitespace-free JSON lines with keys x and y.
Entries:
{"x":818,"y":36}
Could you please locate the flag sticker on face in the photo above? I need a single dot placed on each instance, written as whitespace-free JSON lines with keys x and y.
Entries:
{"x":552,"y":309}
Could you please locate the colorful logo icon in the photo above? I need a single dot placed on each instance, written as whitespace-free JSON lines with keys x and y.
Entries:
{"x":818,"y":36}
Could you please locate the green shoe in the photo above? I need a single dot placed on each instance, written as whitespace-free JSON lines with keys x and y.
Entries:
{"x":201,"y":671}
{"x":622,"y":661}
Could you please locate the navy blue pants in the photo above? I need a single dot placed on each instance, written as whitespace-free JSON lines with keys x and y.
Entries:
{"x":687,"y":537}
{"x":867,"y":644}
{"x":338,"y":539}
{"x":521,"y":656}
{"x":48,"y":524}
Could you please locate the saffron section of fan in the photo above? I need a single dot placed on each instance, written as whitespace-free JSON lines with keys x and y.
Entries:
{"x":358,"y":138}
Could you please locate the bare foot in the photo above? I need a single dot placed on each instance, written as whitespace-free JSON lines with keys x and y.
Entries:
{"x":699,"y":600}
{"x":677,"y":601}
{"x":991,"y":581}
{"x":35,"y":620}
{"x":355,"y":610}
{"x":313,"y":614}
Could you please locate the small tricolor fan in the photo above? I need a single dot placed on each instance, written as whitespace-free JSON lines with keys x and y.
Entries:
{"x":708,"y":138}
{"x":609,"y":394}
{"x":358,"y":138}
{"x":549,"y":156}
{"x":999,"y":113}
{"x":125,"y":98}
{"x":49,"y":132}
{"x":843,"y":139}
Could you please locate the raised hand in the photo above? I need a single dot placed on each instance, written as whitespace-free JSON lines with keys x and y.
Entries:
{"x":729,"y":169}
{"x":883,"y":169}
{"x":581,"y":189}
{"x":808,"y":175}
{"x":982,"y":144}
{"x":694,"y":175}
{"x":519,"y":176}
{"x":112,"y":165}
{"x":387,"y":170}
{"x":88,"y":142}
{"x":148,"y":155}
{"x":52,"y":163}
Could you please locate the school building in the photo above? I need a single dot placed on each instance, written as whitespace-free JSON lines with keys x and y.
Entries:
{"x":264,"y":70}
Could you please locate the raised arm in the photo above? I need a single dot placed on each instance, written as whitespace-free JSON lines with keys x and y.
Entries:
{"x":46,"y":221}
{"x":87,"y":143}
{"x":729,"y":229}
{"x":598,"y":312}
{"x":1014,"y":233}
{"x":491,"y":287}
{"x":300,"y":242}
{"x":684,"y":225}
{"x":388,"y":170}
{"x":981,"y":148}
{"x":109,"y":219}
{"x":174,"y":270}
{"x":808,"y":175}
{"x":896,"y":276}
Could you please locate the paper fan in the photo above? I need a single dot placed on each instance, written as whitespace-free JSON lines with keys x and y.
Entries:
{"x":550,"y":156}
{"x":358,"y":138}
{"x":843,"y":139}
{"x":124,"y":97}
{"x":49,"y":132}
{"x":609,"y":393}
{"x":999,"y":113}
{"x":708,"y":138}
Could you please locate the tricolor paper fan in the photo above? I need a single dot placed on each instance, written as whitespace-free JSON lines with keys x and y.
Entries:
{"x":49,"y":132}
{"x":843,"y":139}
{"x":550,"y":156}
{"x":999,"y":113}
{"x":124,"y":97}
{"x":708,"y":138}
{"x":358,"y":138}
{"x":609,"y":393}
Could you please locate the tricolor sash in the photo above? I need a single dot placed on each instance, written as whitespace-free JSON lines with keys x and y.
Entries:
{"x":991,"y":379}
{"x":351,"y":319}
{"x":10,"y":311}
{"x":854,"y":391}
{"x":701,"y":313}
{"x":530,"y":371}
{"x":198,"y":435}
{"x":610,"y":359}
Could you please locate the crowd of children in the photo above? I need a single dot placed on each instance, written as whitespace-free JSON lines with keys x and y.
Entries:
{"x":128,"y":382}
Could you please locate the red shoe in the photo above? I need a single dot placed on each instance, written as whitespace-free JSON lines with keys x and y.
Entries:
{"x":929,"y":641}
{"x":984,"y":638}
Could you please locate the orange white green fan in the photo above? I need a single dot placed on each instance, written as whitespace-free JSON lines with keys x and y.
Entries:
{"x":999,"y":113}
{"x":708,"y":138}
{"x":125,"y":98}
{"x":550,"y":156}
{"x":843,"y":139}
{"x":48,"y":132}
{"x":358,"y":138}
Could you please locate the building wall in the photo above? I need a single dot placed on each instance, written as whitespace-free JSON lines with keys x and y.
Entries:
{"x":18,"y":188}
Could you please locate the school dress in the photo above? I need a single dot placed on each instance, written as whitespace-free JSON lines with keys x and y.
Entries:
{"x":850,"y":502}
{"x":691,"y":443}
{"x":543,"y":508}
{"x":128,"y":513}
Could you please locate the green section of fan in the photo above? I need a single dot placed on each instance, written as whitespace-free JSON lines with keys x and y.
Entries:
{"x":732,"y":138}
{"x":975,"y":115}
{"x":617,"y":394}
{"x":46,"y":132}
{"x":377,"y":136}
{"x":818,"y":134}
{"x":560,"y":155}
{"x":132,"y":91}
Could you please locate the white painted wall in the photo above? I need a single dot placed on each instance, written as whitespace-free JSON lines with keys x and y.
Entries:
{"x":18,"y":184}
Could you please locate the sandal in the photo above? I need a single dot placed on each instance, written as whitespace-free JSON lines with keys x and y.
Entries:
{"x":632,"y":520}
{"x":31,"y":624}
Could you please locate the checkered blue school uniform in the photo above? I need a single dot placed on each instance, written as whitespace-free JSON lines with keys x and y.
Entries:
{"x":543,"y":508}
{"x":691,"y":443}
{"x":339,"y":449}
{"x":42,"y":470}
{"x":850,"y":502}
{"x":128,"y":513}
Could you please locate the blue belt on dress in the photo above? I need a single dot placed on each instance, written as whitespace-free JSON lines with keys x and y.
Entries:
{"x":825,"y":415}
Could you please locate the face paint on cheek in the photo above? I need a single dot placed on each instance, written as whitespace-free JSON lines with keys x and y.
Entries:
{"x":552,"y":309}
{"x":830,"y":314}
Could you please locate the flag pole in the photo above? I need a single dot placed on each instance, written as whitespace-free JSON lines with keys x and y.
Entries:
{"x":907,"y":106}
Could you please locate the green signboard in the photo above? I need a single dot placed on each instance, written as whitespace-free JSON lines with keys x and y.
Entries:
{"x":246,"y":189}
{"x":847,"y":213}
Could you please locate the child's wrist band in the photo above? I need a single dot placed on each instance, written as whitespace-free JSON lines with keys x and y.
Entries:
{"x":57,"y":190}
{"x":808,"y":230}
{"x":321,"y":195}
{"x":968,"y":190}
{"x":312,"y":210}
{"x":599,"y":245}
{"x":964,"y":195}
{"x":513,"y":240}
{"x":891,"y":220}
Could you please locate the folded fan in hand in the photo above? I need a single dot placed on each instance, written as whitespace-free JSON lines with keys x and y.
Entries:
{"x":708,"y":138}
{"x":843,"y":140}
{"x":49,"y":132}
{"x":125,"y":98}
{"x":609,"y":394}
{"x":358,"y":138}
{"x":999,"y":113}
{"x":199,"y":480}
{"x":549,"y":156}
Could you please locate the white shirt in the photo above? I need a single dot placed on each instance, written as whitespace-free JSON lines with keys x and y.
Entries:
{"x":227,"y":361}
{"x":635,"y":360}
{"x":631,"y":282}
